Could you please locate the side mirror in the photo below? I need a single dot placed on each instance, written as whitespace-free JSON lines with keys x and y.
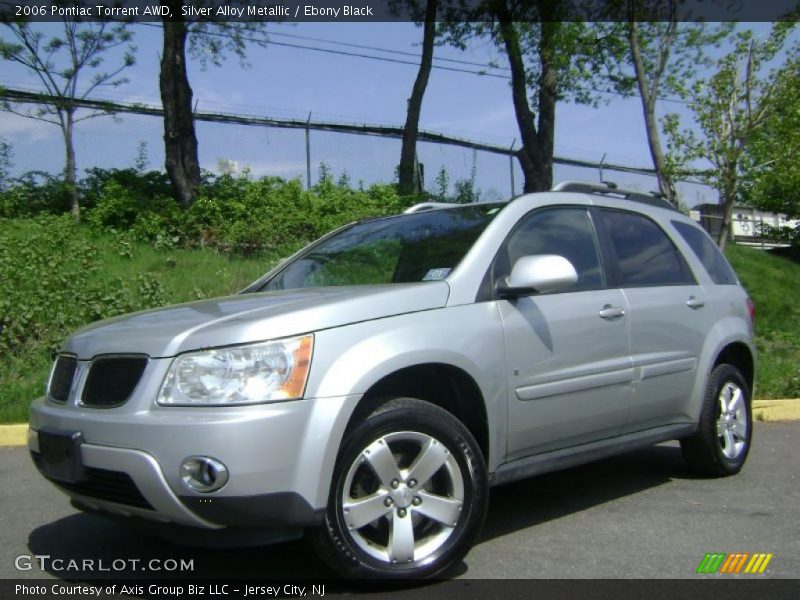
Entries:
{"x":538,"y":274}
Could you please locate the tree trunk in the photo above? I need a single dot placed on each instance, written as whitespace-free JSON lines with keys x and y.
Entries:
{"x":67,"y":126}
{"x":408,"y":180}
{"x":728,"y":198}
{"x":547,"y":100}
{"x":665,"y":184}
{"x":536,"y":154}
{"x":180,"y":141}
{"x":725,"y":226}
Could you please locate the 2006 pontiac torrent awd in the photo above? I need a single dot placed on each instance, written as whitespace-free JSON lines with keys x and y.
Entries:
{"x":371,"y":388}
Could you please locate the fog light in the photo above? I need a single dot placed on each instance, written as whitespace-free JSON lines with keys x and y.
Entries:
{"x":203,"y":474}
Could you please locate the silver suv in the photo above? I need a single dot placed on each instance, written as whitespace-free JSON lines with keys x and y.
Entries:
{"x":371,"y":388}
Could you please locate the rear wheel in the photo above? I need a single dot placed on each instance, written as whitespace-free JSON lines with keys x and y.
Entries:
{"x":722,"y":441}
{"x":409,"y":494}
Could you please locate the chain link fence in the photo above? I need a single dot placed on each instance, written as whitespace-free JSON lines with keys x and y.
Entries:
{"x":130,"y":139}
{"x":361,"y":154}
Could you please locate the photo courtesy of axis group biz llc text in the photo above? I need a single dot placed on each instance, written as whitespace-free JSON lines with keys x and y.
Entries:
{"x":309,"y":298}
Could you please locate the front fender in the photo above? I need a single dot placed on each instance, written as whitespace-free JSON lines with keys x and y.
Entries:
{"x":349,"y":360}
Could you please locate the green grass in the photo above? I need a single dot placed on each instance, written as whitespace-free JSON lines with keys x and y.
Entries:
{"x":773,"y":283}
{"x":184,"y":275}
{"x":180,"y":275}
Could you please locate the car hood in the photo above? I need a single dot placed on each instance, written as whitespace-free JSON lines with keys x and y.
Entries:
{"x":243,"y":318}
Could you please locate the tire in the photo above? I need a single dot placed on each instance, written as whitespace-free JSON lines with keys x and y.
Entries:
{"x":721,"y":443}
{"x":408,"y":497}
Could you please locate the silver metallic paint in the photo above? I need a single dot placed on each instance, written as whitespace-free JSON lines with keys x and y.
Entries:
{"x":558,"y":379}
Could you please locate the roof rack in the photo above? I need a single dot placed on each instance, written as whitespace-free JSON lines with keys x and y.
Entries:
{"x":610,"y":189}
{"x":426,"y":206}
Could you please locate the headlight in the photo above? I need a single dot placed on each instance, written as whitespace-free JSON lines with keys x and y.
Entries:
{"x":263,"y":372}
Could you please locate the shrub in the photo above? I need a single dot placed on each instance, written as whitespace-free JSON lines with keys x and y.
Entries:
{"x":138,"y":208}
{"x":48,"y":285}
{"x":146,"y":187}
{"x":232,"y":213}
{"x":246,"y":215}
{"x":34,"y":193}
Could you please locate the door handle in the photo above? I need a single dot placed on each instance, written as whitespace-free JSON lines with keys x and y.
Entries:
{"x":693,"y":302}
{"x":612,"y":312}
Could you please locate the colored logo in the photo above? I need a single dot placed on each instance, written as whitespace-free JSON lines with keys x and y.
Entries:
{"x":738,"y":562}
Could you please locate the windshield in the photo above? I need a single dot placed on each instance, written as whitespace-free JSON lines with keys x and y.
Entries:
{"x":424,"y":246}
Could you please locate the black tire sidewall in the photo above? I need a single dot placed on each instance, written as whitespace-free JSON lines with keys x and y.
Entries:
{"x":407,"y":414}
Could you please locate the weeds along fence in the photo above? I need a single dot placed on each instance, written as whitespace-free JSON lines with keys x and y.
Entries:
{"x":132,"y":134}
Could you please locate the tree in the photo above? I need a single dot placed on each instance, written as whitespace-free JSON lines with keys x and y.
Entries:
{"x":180,"y":140}
{"x":208,"y":41}
{"x":538,"y":143}
{"x":730,"y":109}
{"x":408,"y":179}
{"x":442,"y":185}
{"x":664,"y":51}
{"x":60,"y":64}
{"x":466,"y":190}
{"x":6,"y":163}
{"x":771,"y":158}
{"x":551,"y":59}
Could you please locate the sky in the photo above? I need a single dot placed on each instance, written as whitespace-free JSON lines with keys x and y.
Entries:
{"x":292,"y":82}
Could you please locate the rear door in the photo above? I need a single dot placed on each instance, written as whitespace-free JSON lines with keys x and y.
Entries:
{"x":567,"y":352}
{"x":668,"y":316}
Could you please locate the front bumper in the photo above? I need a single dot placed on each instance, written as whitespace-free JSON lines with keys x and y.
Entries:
{"x":280,"y":459}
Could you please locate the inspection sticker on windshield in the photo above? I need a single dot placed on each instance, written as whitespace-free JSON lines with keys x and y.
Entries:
{"x":436,"y":274}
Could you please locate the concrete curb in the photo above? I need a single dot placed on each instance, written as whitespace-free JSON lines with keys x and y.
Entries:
{"x":763,"y":410}
{"x":776,"y":410}
{"x":14,"y":435}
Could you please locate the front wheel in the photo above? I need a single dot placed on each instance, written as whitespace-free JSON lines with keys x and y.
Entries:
{"x":722,"y":441}
{"x":409,"y":494}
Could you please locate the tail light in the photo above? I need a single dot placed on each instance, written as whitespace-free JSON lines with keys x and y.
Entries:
{"x":751,"y":309}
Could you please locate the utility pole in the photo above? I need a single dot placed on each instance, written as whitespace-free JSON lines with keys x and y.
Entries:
{"x":308,"y":151}
{"x":511,"y":166}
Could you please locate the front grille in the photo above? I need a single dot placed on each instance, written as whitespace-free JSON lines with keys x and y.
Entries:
{"x":111,"y":380}
{"x":112,"y":486}
{"x":61,"y":380}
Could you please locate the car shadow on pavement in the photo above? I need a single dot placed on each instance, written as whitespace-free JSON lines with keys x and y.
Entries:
{"x":513,"y":507}
{"x":90,"y":537}
{"x":543,"y":498}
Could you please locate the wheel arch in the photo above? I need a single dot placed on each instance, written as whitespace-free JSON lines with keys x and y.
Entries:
{"x":739,"y":355}
{"x":444,"y":385}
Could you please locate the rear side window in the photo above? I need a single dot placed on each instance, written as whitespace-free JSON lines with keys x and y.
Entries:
{"x":646,"y":255}
{"x":709,"y":254}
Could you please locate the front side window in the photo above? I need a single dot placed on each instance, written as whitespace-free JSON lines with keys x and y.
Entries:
{"x":566,"y":232}
{"x":424,"y":246}
{"x":646,"y":255}
{"x":708,"y":252}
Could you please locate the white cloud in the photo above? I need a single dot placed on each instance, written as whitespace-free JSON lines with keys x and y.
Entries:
{"x":22,"y":130}
{"x":262,"y":168}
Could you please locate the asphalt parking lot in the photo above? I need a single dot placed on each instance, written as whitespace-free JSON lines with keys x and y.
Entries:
{"x":641,"y":515}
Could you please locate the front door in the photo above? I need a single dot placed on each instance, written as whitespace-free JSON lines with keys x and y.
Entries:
{"x":567,"y":352}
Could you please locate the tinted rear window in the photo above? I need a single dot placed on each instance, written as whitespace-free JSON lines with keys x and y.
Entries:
{"x":646,"y":255}
{"x":709,"y":254}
